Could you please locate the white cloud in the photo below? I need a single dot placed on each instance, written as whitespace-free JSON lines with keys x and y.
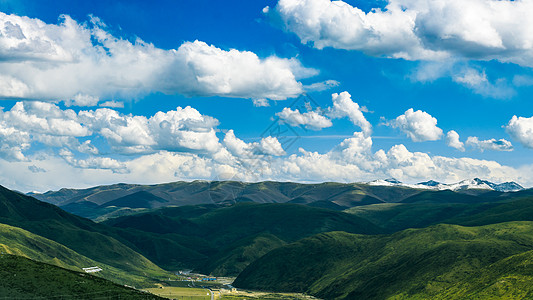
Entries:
{"x":45,"y":118}
{"x":30,"y":123}
{"x":452,"y":140}
{"x":261,"y":102}
{"x":417,"y":29}
{"x":183,"y":129}
{"x":112,"y":104}
{"x":521,"y":129}
{"x":271,"y":146}
{"x":480,"y":84}
{"x":13,"y":142}
{"x":490,"y":144}
{"x":94,"y":162}
{"x":82,"y":100}
{"x":418,"y":125}
{"x":242,"y":150}
{"x":181,"y":144}
{"x":82,"y":63}
{"x":311,"y":119}
{"x":343,"y":106}
{"x":88,"y":148}
{"x":321,"y":86}
{"x":353,"y":160}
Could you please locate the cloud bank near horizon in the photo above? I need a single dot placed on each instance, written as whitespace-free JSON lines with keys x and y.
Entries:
{"x":60,"y":147}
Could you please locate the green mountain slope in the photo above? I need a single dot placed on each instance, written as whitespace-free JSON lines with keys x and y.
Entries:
{"x":420,"y":263}
{"x":445,"y":197}
{"x":23,"y":278}
{"x":520,"y":209}
{"x":87,"y":238}
{"x":20,"y":242}
{"x":398,"y":216}
{"x":224,"y":240}
{"x":509,"y":278}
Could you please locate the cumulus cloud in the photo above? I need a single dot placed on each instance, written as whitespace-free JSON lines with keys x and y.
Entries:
{"x":417,"y":30}
{"x":490,"y":144}
{"x":311,"y":119}
{"x":103,"y":146}
{"x":94,"y":162}
{"x":31,"y":123}
{"x":452,"y":140}
{"x":242,"y":150}
{"x":352,"y":160}
{"x":183,"y":129}
{"x":343,"y":106}
{"x":82,"y":63}
{"x":418,"y":125}
{"x":262,"y":102}
{"x":521,"y":129}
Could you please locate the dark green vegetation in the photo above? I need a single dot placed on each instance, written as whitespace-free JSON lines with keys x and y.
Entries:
{"x":438,"y":262}
{"x":82,"y":236}
{"x":28,"y":279}
{"x":224,"y":240}
{"x":398,"y":216}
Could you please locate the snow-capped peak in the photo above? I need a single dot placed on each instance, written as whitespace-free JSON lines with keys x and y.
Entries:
{"x":466,"y":184}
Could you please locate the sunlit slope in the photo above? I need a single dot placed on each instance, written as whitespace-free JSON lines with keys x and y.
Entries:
{"x":436,"y":262}
{"x":83,"y":236}
{"x":23,"y":278}
{"x":20,"y":242}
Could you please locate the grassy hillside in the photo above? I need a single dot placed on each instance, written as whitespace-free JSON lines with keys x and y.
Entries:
{"x":23,"y":278}
{"x":20,"y":242}
{"x":399,"y":216}
{"x":417,"y":214}
{"x":509,"y":278}
{"x":83,"y":236}
{"x":414,"y":263}
{"x":520,"y":209}
{"x":224,"y":240}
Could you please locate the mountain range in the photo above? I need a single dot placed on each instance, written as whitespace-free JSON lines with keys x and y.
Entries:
{"x":330,"y":240}
{"x":102,"y":202}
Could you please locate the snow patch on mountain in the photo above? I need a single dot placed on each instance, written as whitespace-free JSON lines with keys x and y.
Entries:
{"x":475,"y":183}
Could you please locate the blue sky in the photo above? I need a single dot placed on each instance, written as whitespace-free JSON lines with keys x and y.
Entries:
{"x":97,"y":93}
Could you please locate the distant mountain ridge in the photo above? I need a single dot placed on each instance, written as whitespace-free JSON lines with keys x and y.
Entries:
{"x":102,"y":202}
{"x":466,"y":184}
